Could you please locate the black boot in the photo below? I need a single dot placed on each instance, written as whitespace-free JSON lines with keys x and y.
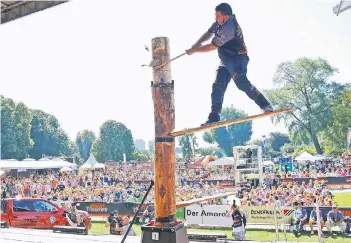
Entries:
{"x":213,"y":117}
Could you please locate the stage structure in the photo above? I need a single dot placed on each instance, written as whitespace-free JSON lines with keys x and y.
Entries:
{"x":342,"y":7}
{"x":247,"y":160}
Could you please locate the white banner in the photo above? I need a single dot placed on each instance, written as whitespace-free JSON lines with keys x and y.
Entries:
{"x":208,"y":214}
{"x":216,"y":214}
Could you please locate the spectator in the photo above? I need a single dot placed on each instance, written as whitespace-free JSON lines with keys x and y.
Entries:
{"x":300,"y":217}
{"x":313,"y":219}
{"x":335,"y":218}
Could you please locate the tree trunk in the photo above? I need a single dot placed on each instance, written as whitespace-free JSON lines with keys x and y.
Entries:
{"x":315,"y":140}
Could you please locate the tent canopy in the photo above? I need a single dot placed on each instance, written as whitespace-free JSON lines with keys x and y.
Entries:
{"x":223,"y":161}
{"x":91,"y":163}
{"x":34,"y":164}
{"x":305,"y":156}
{"x":267,"y":162}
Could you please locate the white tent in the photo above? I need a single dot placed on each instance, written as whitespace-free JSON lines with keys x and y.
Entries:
{"x":35,"y":164}
{"x":222,"y":161}
{"x":306,"y":157}
{"x":267,"y":162}
{"x":1,"y":172}
{"x":91,"y":163}
{"x":65,"y":169}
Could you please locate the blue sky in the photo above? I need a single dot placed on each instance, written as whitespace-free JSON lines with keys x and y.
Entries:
{"x":81,"y":61}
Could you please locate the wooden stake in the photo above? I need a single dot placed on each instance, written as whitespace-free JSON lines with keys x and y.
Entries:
{"x":163,"y":97}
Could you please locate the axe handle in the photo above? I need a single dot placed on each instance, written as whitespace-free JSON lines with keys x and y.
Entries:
{"x":164,"y":64}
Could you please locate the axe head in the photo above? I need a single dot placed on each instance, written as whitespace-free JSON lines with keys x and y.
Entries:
{"x":154,"y":63}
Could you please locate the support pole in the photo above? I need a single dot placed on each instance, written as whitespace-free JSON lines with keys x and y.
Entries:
{"x":165,"y":228}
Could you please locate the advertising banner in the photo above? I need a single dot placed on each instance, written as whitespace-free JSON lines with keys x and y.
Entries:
{"x":216,"y":214}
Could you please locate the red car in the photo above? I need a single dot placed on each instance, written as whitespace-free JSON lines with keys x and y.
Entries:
{"x":33,"y":213}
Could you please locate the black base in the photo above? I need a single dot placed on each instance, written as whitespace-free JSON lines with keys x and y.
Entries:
{"x":152,"y":234}
{"x":207,"y":237}
{"x":3,"y":224}
{"x":69,"y":229}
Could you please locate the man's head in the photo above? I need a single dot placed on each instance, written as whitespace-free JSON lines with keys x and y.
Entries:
{"x":335,"y":209}
{"x":223,"y":13}
{"x":299,"y":205}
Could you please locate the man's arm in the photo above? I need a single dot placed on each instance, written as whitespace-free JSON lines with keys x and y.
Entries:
{"x":341,"y":218}
{"x":226,"y":34}
{"x":305,"y":213}
{"x":205,"y":37}
{"x":205,"y":48}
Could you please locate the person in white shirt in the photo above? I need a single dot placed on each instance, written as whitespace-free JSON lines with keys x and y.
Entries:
{"x":125,"y":227}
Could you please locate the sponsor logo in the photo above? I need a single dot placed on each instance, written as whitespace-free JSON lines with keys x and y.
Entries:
{"x":97,"y":208}
{"x":288,"y":212}
{"x":52,"y":219}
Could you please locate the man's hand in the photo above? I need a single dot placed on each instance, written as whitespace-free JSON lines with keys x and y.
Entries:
{"x":190,"y":51}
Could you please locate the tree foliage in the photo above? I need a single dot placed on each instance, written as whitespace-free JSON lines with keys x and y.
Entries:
{"x":277,"y":140}
{"x":234,"y":135}
{"x":84,"y":141}
{"x":115,"y":140}
{"x":336,"y":133}
{"x":216,"y":151}
{"x":15,"y":129}
{"x":305,"y":86}
{"x":48,"y":136}
{"x":189,"y":146}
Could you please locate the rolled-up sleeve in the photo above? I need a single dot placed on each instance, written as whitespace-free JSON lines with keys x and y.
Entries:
{"x":212,"y":29}
{"x":225,"y":34}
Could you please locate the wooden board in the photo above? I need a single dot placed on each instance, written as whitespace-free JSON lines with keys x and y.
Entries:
{"x":225,"y":123}
{"x":203,"y":199}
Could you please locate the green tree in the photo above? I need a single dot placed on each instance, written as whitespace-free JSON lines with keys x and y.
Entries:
{"x":305,"y":86}
{"x":336,"y":133}
{"x":189,"y":146}
{"x":234,"y":135}
{"x":217,"y":151}
{"x":142,"y":155}
{"x":48,"y":137}
{"x":115,"y":140}
{"x":15,"y":129}
{"x":277,"y":140}
{"x":287,"y":149}
{"x":151,"y":146}
{"x":84,"y":141}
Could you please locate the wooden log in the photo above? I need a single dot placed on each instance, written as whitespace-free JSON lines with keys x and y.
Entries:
{"x":163,"y":98}
{"x":203,"y":199}
{"x":225,"y":123}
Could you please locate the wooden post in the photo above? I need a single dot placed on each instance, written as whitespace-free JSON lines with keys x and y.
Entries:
{"x":163,"y":97}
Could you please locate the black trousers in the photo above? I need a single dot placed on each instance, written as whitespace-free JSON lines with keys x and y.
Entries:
{"x":234,"y":68}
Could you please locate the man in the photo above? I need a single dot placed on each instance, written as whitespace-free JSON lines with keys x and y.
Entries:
{"x":335,"y":218}
{"x":313,"y":219}
{"x":125,"y":226}
{"x":300,"y":218}
{"x":113,"y":221}
{"x":232,"y":51}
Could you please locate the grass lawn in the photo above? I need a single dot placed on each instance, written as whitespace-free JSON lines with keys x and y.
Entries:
{"x":343,"y":199}
{"x":262,"y":235}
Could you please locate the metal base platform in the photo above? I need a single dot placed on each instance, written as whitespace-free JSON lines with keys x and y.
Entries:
{"x":176,"y":234}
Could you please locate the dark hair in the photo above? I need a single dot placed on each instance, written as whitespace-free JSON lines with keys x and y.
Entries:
{"x":224,"y":8}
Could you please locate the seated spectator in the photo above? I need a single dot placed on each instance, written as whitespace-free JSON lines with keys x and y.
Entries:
{"x":313,"y":219}
{"x":300,"y":217}
{"x":335,"y":218}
